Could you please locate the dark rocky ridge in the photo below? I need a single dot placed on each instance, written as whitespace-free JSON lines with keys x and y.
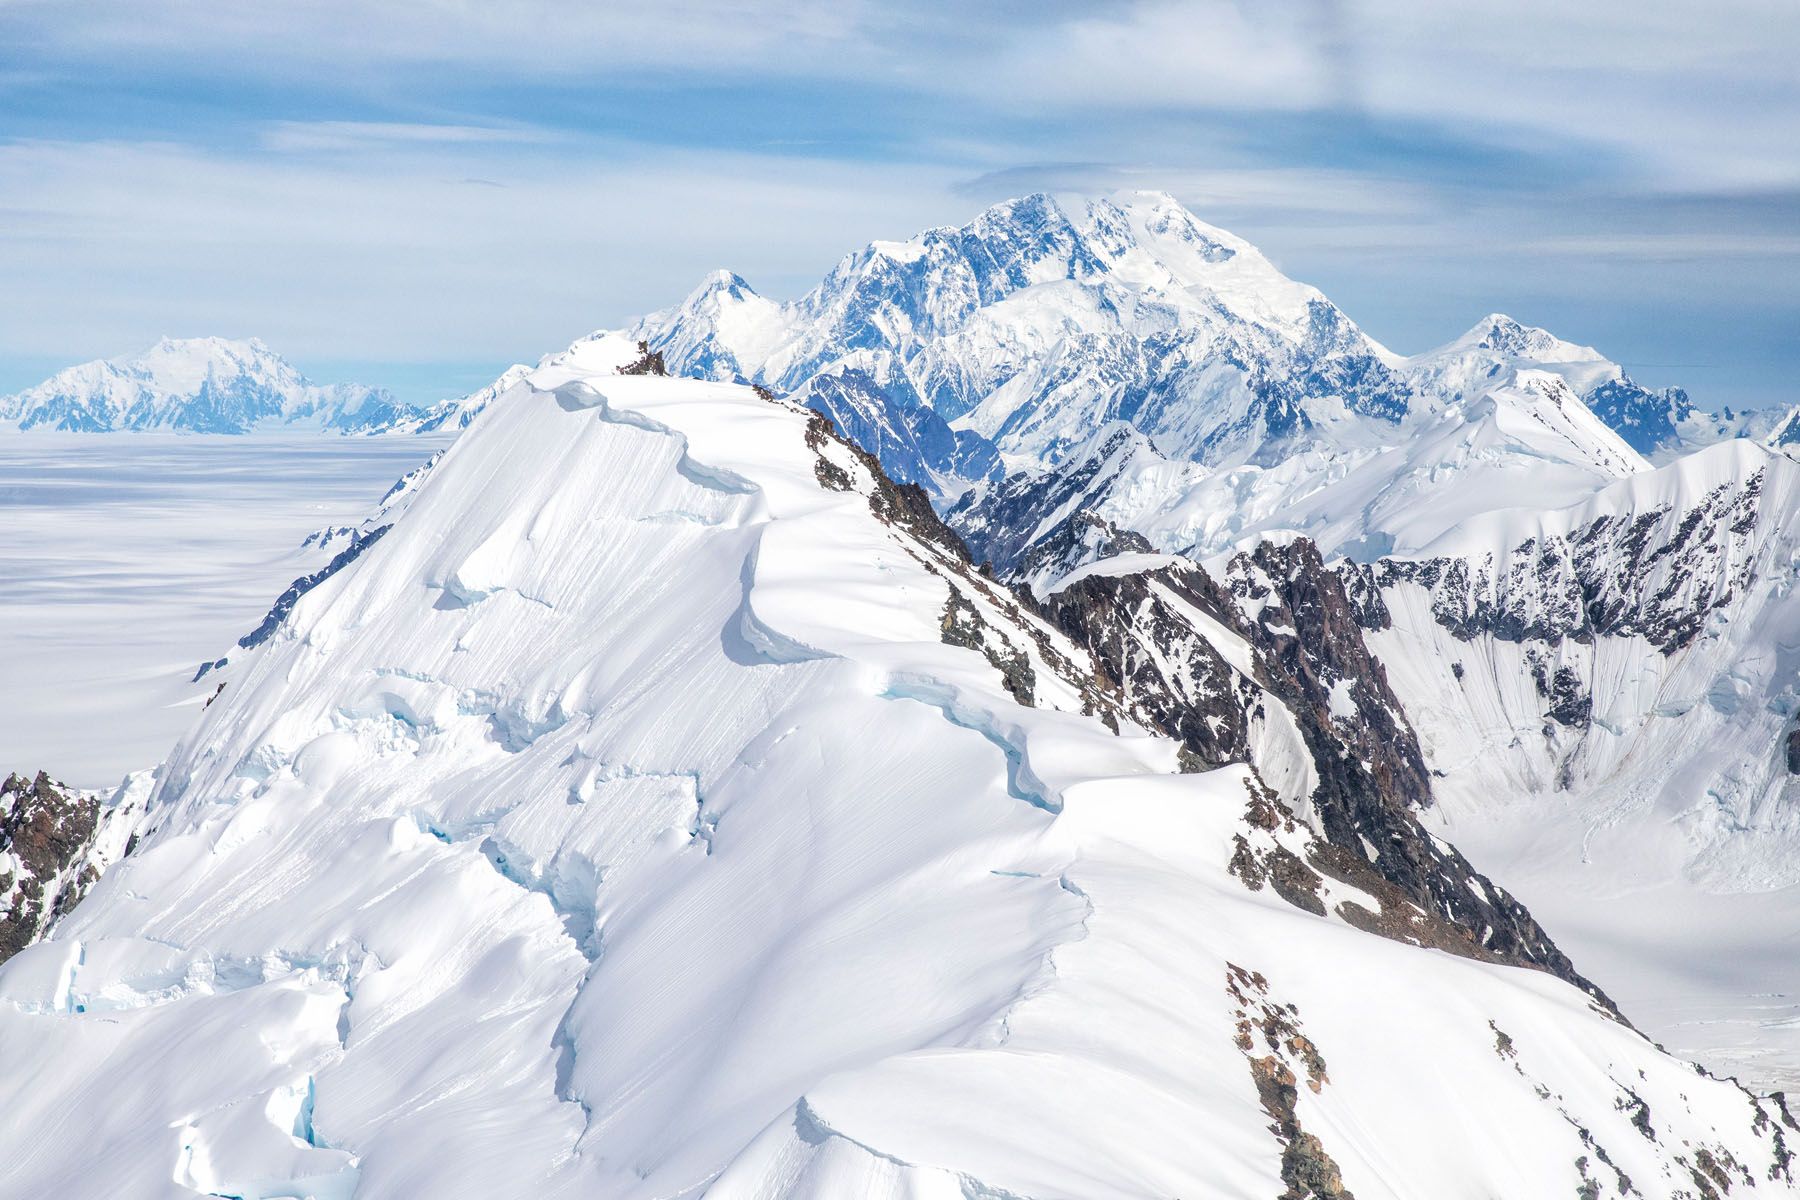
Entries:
{"x":46,"y":833}
{"x":1149,"y":662}
{"x":1309,"y":654}
{"x":1652,"y":575}
{"x":1000,"y":523}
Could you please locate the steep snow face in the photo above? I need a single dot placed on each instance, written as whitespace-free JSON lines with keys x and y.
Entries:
{"x":197,"y":385}
{"x":1636,"y":647}
{"x":1609,"y":693}
{"x":1045,"y":317}
{"x":662,"y":808}
{"x":1524,"y":443}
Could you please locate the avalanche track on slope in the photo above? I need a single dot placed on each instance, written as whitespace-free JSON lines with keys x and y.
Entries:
{"x":622,"y":824}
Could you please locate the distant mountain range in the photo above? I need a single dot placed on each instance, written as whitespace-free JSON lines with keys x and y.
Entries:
{"x":217,"y":385}
{"x":198,"y":385}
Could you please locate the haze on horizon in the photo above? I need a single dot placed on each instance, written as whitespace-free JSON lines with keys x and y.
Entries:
{"x":417,"y":194}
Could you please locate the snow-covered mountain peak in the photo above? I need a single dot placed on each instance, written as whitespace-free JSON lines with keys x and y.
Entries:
{"x":1541,"y":408}
{"x":1150,"y":238}
{"x":1043,"y":318}
{"x":1503,"y":335}
{"x":197,"y":385}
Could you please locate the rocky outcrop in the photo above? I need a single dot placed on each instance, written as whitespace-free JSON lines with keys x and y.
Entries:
{"x":1303,"y":628}
{"x":360,"y":540}
{"x":1657,"y":574}
{"x":55,"y":842}
{"x":46,"y":834}
{"x":1080,"y":538}
{"x":1000,"y":523}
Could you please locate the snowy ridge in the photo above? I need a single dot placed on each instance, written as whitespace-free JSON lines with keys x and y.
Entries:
{"x":198,"y":385}
{"x":456,"y":414}
{"x":660,"y":809}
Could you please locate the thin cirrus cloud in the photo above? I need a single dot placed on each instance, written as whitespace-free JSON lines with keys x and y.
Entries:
{"x":353,"y":136}
{"x":436,"y":178}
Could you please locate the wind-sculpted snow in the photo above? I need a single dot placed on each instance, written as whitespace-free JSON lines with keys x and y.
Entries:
{"x":644,"y":815}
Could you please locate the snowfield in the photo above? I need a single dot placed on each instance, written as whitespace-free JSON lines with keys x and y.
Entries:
{"x":621,"y":824}
{"x":129,"y":560}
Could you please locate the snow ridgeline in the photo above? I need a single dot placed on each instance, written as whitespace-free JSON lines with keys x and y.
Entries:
{"x":653,"y":811}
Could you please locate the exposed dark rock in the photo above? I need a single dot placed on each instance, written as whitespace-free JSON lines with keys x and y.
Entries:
{"x":1563,"y":689}
{"x":1310,"y":655}
{"x":1646,"y":575}
{"x":1000,"y":523}
{"x":46,"y":831}
{"x":963,"y":626}
{"x":648,"y":362}
{"x":1306,"y":1169}
{"x":284,"y":604}
{"x":904,"y":504}
{"x":1164,"y":673}
{"x":1080,"y":538}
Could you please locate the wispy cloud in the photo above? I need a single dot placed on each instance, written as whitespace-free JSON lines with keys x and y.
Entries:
{"x":327,"y":259}
{"x":352,"y":136}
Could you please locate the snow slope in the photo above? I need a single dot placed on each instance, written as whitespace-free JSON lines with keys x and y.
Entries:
{"x":621,"y":824}
{"x":198,"y":385}
{"x":1609,"y":694}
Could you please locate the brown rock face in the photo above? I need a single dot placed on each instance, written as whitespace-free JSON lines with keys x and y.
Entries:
{"x":1307,"y":635}
{"x":45,"y":832}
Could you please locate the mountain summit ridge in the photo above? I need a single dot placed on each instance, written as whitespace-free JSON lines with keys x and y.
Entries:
{"x":665,"y":806}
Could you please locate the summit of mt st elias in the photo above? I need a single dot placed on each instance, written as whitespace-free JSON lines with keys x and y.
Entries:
{"x":982,"y":730}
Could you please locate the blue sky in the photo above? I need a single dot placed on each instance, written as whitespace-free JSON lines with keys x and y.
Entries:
{"x":415,"y":193}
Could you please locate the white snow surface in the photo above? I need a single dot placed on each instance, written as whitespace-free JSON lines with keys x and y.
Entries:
{"x":620,"y":826}
{"x":1660,"y":843}
{"x":128,"y":561}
